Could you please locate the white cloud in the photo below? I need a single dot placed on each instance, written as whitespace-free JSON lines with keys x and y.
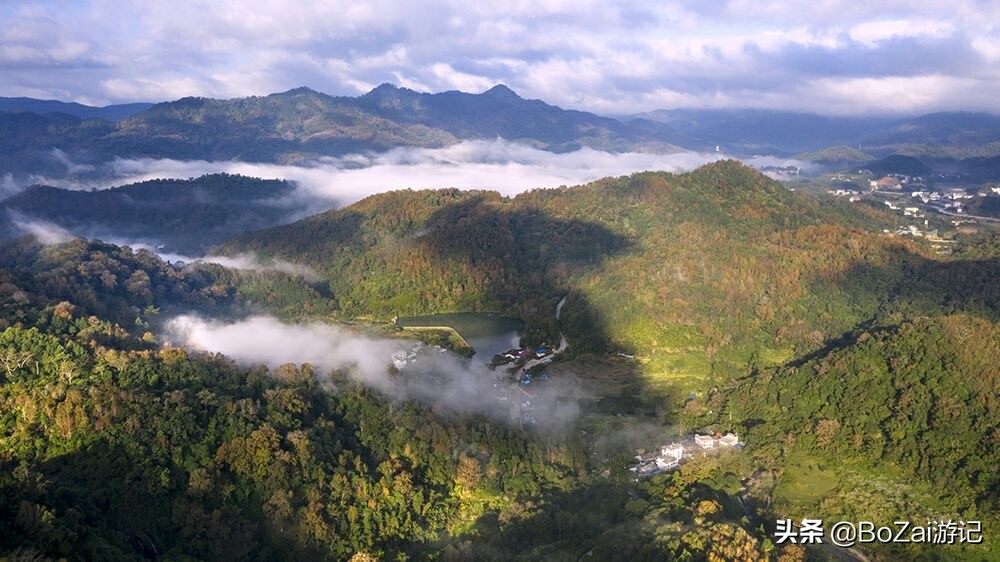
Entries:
{"x":871,"y":33}
{"x":509,"y":168}
{"x":246,"y":261}
{"x":458,"y":80}
{"x":905,"y":94}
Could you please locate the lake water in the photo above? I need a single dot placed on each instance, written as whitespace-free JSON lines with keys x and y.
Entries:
{"x":487,"y":333}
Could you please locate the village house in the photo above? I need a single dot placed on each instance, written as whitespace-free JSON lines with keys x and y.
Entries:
{"x":704,"y":441}
{"x":729,"y":440}
{"x":666,"y":463}
{"x":842,"y":192}
{"x":674,"y":451}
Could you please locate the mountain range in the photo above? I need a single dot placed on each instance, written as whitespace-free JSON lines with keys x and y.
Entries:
{"x":952,"y":134}
{"x":109,"y":112}
{"x":302,"y":125}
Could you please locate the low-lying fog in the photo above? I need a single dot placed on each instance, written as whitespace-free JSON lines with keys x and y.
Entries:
{"x":499,"y":165}
{"x":441,"y":379}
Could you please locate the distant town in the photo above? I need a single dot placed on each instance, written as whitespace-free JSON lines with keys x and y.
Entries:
{"x":924,"y":205}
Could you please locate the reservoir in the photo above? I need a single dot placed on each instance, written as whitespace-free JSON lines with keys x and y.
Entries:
{"x":486,"y":332}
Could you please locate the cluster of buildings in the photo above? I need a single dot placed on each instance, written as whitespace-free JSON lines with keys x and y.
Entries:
{"x":895,"y":182}
{"x":915,"y":231}
{"x":951,"y":200}
{"x":522,"y":354}
{"x":841,"y":178}
{"x":907,"y":211}
{"x":401,"y":359}
{"x":527,"y":411}
{"x":853,"y":194}
{"x":669,"y":457}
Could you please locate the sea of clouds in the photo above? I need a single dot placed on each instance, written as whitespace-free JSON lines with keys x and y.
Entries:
{"x":507,"y":167}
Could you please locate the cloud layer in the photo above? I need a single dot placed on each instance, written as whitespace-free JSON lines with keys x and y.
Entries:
{"x":507,"y":167}
{"x":830,"y":56}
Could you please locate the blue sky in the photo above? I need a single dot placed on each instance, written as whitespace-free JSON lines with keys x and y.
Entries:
{"x":827,"y":56}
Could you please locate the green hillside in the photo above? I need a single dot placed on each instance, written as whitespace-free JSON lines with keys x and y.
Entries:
{"x":698,"y":275}
{"x":903,"y":422}
{"x":835,"y":155}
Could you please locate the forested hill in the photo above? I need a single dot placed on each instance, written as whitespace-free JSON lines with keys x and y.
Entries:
{"x":902,"y":420}
{"x":700,"y":274}
{"x":184,"y":216}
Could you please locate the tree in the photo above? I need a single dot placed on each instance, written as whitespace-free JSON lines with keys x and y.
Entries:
{"x":468,"y":472}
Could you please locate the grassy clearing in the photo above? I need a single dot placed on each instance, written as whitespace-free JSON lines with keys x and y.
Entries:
{"x":805,"y":481}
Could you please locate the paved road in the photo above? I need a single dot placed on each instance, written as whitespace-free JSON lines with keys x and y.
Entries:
{"x":965,"y":216}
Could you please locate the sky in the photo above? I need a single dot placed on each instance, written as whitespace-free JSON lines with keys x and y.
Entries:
{"x":824,"y":56}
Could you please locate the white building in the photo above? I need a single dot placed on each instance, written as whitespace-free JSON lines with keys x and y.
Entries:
{"x":729,"y":440}
{"x":704,"y":441}
{"x":664,"y":463}
{"x":674,"y":451}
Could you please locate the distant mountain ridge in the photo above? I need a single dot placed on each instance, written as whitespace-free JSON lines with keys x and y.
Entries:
{"x":311,"y":122}
{"x":499,"y":111}
{"x":113,"y":112}
{"x":745,"y":131}
{"x":302,"y":124}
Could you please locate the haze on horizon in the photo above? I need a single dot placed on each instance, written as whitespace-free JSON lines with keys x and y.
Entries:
{"x":831,"y":57}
